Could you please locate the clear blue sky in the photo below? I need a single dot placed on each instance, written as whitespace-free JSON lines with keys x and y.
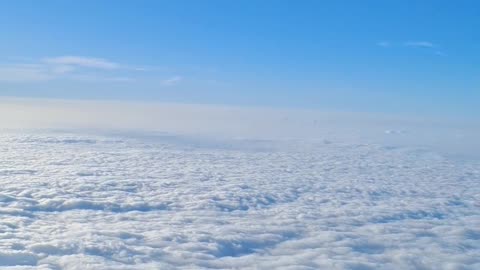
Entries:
{"x":381,"y":56}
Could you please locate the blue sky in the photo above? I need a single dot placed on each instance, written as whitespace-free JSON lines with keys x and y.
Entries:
{"x":375,"y":56}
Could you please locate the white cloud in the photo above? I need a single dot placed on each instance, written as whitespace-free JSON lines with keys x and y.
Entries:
{"x":172,"y":81}
{"x":120,"y":79}
{"x":239,"y":189}
{"x":79,"y":61}
{"x":98,"y":78}
{"x":147,"y":201}
{"x":24,"y":73}
{"x":67,"y":67}
{"x":62,"y":69}
{"x":384,"y":44}
{"x":419,"y":44}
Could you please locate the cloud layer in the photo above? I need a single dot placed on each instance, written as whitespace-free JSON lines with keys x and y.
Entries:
{"x":157,"y":201}
{"x":452,"y":136}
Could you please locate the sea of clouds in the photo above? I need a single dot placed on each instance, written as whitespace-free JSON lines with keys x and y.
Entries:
{"x":257,"y":195}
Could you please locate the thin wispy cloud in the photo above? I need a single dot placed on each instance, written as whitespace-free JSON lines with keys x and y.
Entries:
{"x":67,"y":67}
{"x":415,"y":44}
{"x":97,"y":78}
{"x":79,"y":61}
{"x":172,"y":81}
{"x":384,"y":43}
{"x":427,"y":45}
{"x":419,"y":44}
{"x":24,"y":73}
{"x":62,"y":69}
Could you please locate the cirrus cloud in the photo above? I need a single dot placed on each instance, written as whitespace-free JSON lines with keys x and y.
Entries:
{"x":172,"y":81}
{"x":79,"y":61}
{"x":67,"y":67}
{"x":419,"y":44}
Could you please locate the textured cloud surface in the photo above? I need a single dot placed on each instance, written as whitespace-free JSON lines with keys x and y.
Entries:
{"x":155,"y":201}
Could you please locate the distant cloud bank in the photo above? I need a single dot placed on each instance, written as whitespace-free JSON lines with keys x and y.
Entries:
{"x":227,"y":121}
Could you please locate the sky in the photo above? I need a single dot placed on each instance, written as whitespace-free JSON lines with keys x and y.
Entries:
{"x":410,"y":57}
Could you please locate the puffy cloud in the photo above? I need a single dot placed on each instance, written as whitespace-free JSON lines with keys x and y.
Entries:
{"x":160,"y":201}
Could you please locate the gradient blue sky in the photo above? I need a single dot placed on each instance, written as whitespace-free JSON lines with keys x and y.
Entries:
{"x":376,"y":56}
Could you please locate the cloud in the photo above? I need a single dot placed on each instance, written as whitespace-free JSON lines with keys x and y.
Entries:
{"x":419,"y":44}
{"x":62,"y":69}
{"x":427,"y":45}
{"x":143,"y":200}
{"x":172,"y":81}
{"x":99,"y":78}
{"x":68,"y":67}
{"x":384,"y":44}
{"x":79,"y":61}
{"x":24,"y":73}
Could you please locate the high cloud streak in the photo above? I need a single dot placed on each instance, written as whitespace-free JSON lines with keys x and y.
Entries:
{"x":24,"y":73}
{"x":172,"y":81}
{"x":419,"y":44}
{"x":82,"y":62}
{"x":74,"y":68}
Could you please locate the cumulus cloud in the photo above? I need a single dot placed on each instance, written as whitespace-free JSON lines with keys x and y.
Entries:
{"x":74,"y":199}
{"x":154,"y":186}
